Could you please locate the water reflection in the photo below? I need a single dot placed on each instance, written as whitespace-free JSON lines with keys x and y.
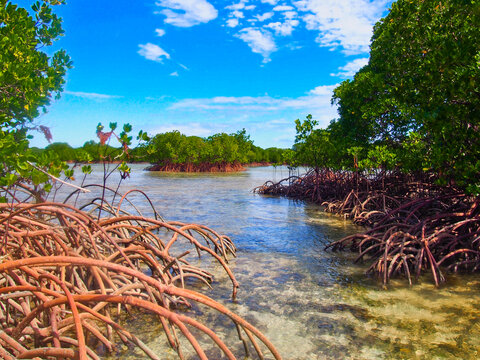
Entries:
{"x":311,"y":304}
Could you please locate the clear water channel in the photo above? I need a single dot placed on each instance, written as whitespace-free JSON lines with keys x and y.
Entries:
{"x":311,"y":303}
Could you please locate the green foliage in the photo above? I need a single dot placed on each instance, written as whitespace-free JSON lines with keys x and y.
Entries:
{"x":432,"y":70}
{"x":312,"y":146}
{"x":29,"y":79}
{"x":224,"y":148}
{"x":412,"y":155}
{"x":289,"y":156}
{"x":170,"y":146}
{"x":176,"y":148}
{"x":272,"y":155}
{"x":143,"y":136}
{"x":416,"y":105}
{"x":95,"y":151}
{"x":379,"y":157}
{"x":87,"y":169}
{"x":64,"y":151}
{"x":124,"y":169}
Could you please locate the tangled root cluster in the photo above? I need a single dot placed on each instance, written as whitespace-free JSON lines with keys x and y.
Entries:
{"x":66,"y":276}
{"x":413,"y":224}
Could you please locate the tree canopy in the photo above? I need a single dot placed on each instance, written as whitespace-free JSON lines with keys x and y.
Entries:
{"x":418,"y":98}
{"x":29,"y":80}
{"x":176,"y":148}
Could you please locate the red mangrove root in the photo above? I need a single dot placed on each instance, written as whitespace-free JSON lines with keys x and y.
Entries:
{"x":414,"y":225}
{"x":66,"y":275}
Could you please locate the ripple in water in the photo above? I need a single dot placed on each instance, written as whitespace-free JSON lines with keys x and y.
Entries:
{"x":310,"y":303}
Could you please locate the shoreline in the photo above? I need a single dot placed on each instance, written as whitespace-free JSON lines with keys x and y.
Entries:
{"x":204,"y":167}
{"x":412,"y":225}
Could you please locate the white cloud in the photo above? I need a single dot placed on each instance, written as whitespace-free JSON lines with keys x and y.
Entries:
{"x":260,"y":41}
{"x":183,"y":67}
{"x":283,"y":8}
{"x":283,"y":29}
{"x":323,"y":90}
{"x":238,"y":6}
{"x":238,"y":14}
{"x":345,"y":24}
{"x":191,"y":129}
{"x":160,"y":32}
{"x":92,"y":96}
{"x":265,"y":117}
{"x":157,"y":98}
{"x":290,"y":14}
{"x":265,"y":16}
{"x":269,"y":119}
{"x":276,"y":122}
{"x":232,"y":22}
{"x":351,"y":68}
{"x":175,"y":73}
{"x":153,"y":52}
{"x":316,"y":99}
{"x":187,"y":13}
{"x":294,"y":46}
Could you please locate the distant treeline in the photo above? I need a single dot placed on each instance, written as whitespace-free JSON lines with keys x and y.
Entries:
{"x":176,"y":148}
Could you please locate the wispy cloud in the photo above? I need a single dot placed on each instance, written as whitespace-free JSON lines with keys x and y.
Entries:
{"x":283,"y":8}
{"x":191,"y":129}
{"x":270,"y":120}
{"x":351,"y":68}
{"x":259,"y":40}
{"x":265,"y":16}
{"x":153,"y":52}
{"x":315,"y":99}
{"x":175,"y":73}
{"x":187,"y":13}
{"x":289,"y":14}
{"x":285,"y":28}
{"x":238,"y":6}
{"x":238,"y":14}
{"x":160,"y":32}
{"x":92,"y":96}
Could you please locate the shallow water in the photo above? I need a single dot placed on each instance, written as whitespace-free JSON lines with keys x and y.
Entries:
{"x":310,"y":303}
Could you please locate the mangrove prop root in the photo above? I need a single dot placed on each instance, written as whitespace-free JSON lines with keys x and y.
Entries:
{"x":413,"y":224}
{"x":65,"y":275}
{"x":168,"y":166}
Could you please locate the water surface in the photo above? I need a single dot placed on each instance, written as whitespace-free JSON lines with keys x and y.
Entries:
{"x":310,"y":303}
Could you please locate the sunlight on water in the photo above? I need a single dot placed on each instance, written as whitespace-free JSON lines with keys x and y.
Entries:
{"x":310,"y":303}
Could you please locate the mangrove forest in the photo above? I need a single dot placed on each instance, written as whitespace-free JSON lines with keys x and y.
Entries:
{"x":93,"y":266}
{"x":403,"y":157}
{"x":173,"y":151}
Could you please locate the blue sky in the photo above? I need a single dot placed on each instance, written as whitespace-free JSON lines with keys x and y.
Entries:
{"x":207,"y":66}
